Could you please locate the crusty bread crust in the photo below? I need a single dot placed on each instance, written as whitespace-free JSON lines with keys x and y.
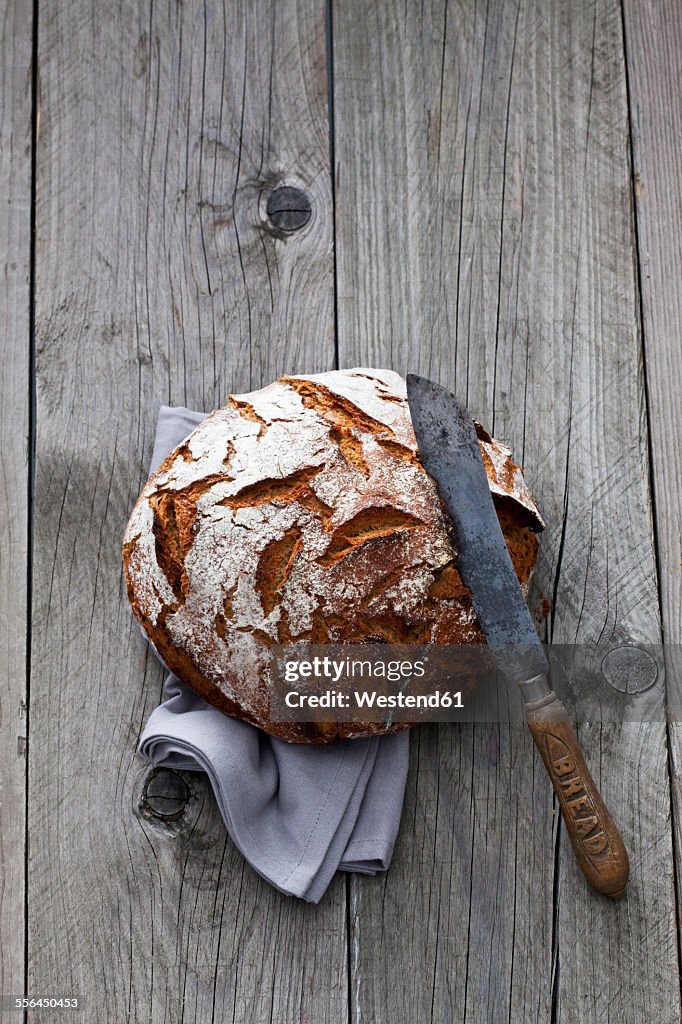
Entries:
{"x":302,"y":511}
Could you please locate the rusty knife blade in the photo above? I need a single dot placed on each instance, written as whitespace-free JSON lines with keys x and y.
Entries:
{"x":451,"y":455}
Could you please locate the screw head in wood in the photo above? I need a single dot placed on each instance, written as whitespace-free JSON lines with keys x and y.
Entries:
{"x":629,"y":669}
{"x":165,"y":794}
{"x":288,"y":208}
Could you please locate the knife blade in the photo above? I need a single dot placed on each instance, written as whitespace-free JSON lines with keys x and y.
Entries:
{"x":451,"y":454}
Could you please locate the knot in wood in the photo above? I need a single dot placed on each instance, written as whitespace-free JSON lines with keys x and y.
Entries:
{"x":165,"y":794}
{"x":289,"y":208}
{"x":629,"y":669}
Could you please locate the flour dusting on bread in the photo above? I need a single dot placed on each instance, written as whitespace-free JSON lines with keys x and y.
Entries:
{"x":302,"y":511}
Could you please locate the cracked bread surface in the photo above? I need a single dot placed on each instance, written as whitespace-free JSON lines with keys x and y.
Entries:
{"x":302,"y":512}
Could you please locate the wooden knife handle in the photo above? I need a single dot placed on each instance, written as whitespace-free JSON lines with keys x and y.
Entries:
{"x":596,"y":841}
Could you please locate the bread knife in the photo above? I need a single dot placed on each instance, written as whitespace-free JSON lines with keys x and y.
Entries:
{"x":451,"y":455}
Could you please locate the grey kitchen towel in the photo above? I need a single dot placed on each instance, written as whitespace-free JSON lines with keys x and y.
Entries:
{"x":297,"y":812}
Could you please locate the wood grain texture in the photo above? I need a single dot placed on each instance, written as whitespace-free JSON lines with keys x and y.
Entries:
{"x":485,"y":205}
{"x":158,"y":280}
{"x":653,"y":45}
{"x":485,"y":238}
{"x":418,"y":285}
{"x":15,"y":254}
{"x":571,"y":264}
{"x":653,"y":34}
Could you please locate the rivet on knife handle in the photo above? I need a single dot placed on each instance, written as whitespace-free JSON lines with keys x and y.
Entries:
{"x":596,"y":841}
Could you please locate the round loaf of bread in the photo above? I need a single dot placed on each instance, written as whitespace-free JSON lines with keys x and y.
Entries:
{"x":302,"y":512}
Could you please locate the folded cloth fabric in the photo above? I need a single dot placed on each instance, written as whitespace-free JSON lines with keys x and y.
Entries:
{"x":296,"y":812}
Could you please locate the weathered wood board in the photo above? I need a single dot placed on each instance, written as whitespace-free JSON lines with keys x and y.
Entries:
{"x":420,"y":98}
{"x":16,"y":95}
{"x":485,"y":236}
{"x":487,"y":228}
{"x":653,"y":47}
{"x":158,"y":282}
{"x":653,"y":35}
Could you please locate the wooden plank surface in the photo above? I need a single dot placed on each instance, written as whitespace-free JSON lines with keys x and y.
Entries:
{"x":653,"y":33}
{"x":653,"y":44}
{"x":485,"y":236}
{"x":421,"y":107}
{"x":15,"y":253}
{"x":163,"y":127}
{"x":586,"y":381}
